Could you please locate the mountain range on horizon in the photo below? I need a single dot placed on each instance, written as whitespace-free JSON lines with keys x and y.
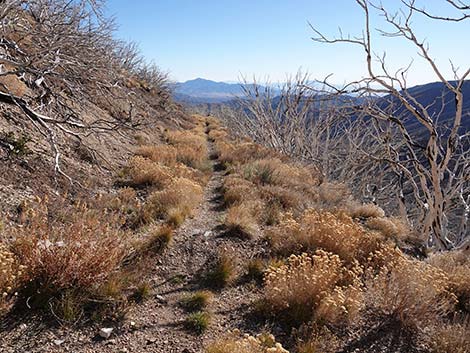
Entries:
{"x":203,"y":91}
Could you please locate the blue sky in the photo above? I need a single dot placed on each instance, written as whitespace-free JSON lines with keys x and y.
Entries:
{"x":224,"y":39}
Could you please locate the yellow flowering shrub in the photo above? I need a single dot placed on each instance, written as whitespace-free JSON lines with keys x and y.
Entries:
{"x":237,"y":343}
{"x":314,"y":287}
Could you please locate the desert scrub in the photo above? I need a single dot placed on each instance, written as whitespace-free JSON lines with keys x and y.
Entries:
{"x":198,"y":322}
{"x":334,"y":232}
{"x":453,"y":337}
{"x":196,"y":301}
{"x":456,"y":265}
{"x":78,"y":253}
{"x":10,"y":273}
{"x":314,"y":288}
{"x":237,"y":343}
{"x":413,"y":292}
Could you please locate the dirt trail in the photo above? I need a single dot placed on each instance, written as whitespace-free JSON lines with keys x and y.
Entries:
{"x":157,"y":325}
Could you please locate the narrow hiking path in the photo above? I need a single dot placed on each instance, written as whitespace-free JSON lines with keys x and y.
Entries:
{"x":157,"y":324}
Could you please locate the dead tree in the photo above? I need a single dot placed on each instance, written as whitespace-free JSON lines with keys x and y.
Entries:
{"x":437,"y":168}
{"x":58,"y":57}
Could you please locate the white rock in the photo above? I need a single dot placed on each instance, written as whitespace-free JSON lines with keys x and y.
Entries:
{"x":207,"y":233}
{"x":160,"y":298}
{"x":105,"y":332}
{"x":58,"y":342}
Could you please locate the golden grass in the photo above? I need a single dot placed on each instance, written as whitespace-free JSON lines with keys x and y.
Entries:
{"x":273,"y":171}
{"x":163,"y":154}
{"x":241,"y":219}
{"x":174,"y":203}
{"x":236,"y":190}
{"x":367,"y":210}
{"x":143,"y":172}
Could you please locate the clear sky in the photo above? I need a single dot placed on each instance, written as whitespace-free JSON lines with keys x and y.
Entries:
{"x":224,"y":39}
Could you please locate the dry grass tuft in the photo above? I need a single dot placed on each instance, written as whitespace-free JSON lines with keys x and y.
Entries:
{"x":196,"y":301}
{"x":162,"y":154}
{"x":255,"y":270}
{"x":365,"y":211}
{"x":317,"y":287}
{"x":319,"y":340}
{"x":143,"y":172}
{"x":174,"y":203}
{"x":241,"y":220}
{"x":158,"y":239}
{"x":273,"y":171}
{"x":198,"y":322}
{"x":223,"y":271}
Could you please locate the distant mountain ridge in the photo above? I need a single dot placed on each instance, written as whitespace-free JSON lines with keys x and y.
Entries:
{"x":201,"y":90}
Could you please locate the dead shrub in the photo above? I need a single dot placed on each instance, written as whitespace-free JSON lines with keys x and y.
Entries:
{"x":314,"y":287}
{"x":79,"y":253}
{"x":450,"y":338}
{"x":410,"y":291}
{"x":456,"y":265}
